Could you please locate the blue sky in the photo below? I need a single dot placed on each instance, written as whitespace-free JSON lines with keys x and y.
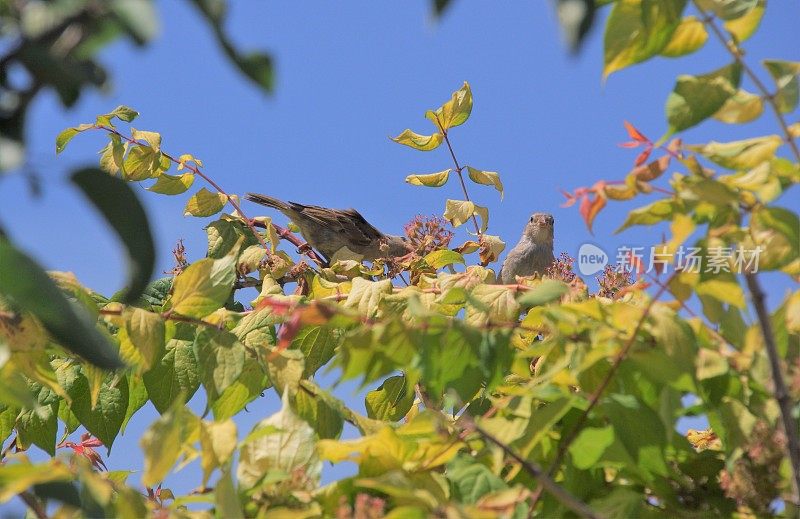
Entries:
{"x":350,"y":74}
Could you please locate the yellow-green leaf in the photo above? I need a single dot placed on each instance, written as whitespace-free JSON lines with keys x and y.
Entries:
{"x":637,"y":30}
{"x":153,"y":139}
{"x":455,"y":111}
{"x":203,"y":286}
{"x":65,"y":136}
{"x":742,"y":107}
{"x":419,"y":142}
{"x":457,"y":212}
{"x":744,"y":26}
{"x":688,"y":37}
{"x":487,"y":178}
{"x":440,"y":258}
{"x":726,"y":291}
{"x":365,"y":295}
{"x":744,"y":154}
{"x":113,"y":155}
{"x":172,"y":184}
{"x":142,"y":162}
{"x":205,"y":203}
{"x":696,"y":98}
{"x":217,"y":443}
{"x":430,"y":180}
{"x":146,"y":332}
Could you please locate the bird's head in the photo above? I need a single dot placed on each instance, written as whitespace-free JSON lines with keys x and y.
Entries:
{"x":395,"y":246}
{"x":540,"y":228}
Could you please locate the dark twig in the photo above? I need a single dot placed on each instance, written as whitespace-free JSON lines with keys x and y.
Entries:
{"x":781,"y":393}
{"x":34,"y":504}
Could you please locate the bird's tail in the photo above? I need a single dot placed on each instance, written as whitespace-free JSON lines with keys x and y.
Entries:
{"x":268,"y":201}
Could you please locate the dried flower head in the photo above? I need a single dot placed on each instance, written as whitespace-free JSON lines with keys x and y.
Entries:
{"x":561,"y":268}
{"x":612,"y":281}
{"x":427,"y":234}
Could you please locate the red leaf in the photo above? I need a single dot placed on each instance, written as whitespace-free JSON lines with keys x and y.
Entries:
{"x":634,"y":133}
{"x":629,"y":144}
{"x":589,"y":209}
{"x":643,"y":156}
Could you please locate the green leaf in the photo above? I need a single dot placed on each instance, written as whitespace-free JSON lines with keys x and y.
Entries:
{"x":471,"y":479}
{"x":440,"y":258}
{"x":203,"y":286}
{"x":65,"y":136}
{"x":688,"y":37}
{"x":205,"y":203}
{"x":152,"y":139}
{"x":140,"y":20}
{"x":487,"y":178}
{"x":119,"y":206}
{"x":740,"y":108}
{"x":31,"y":290}
{"x":142,"y":162}
{"x":145,"y":331}
{"x":176,"y":373}
{"x":589,"y":446}
{"x":726,"y":291}
{"x":217,"y":444}
{"x":318,"y":344}
{"x":124,"y":113}
{"x":318,"y":412}
{"x":105,"y":419}
{"x":226,"y":499}
{"x":455,"y":111}
{"x":637,"y":30}
{"x":785,"y":75}
{"x":162,"y":442}
{"x":419,"y":142}
{"x":250,"y":384}
{"x":658,"y":211}
{"x":696,"y":98}
{"x":16,"y":478}
{"x":291,"y":448}
{"x":391,"y":401}
{"x":112,"y":157}
{"x":172,"y":184}
{"x":285,"y":370}
{"x":39,"y":426}
{"x":545,"y":292}
{"x":220,"y":358}
{"x":430,"y":180}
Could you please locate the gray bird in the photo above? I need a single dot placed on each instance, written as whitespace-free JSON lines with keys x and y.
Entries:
{"x":339,"y":234}
{"x":534,"y":252}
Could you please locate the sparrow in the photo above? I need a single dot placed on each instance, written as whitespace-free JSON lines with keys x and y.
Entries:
{"x":339,"y":234}
{"x":534,"y":252}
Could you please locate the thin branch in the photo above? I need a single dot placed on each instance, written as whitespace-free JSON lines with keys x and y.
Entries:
{"x":595,"y":398}
{"x":292,"y":238}
{"x":34,"y":504}
{"x":459,"y":169}
{"x":196,"y":170}
{"x":545,"y":481}
{"x":781,"y":394}
{"x":735,"y":51}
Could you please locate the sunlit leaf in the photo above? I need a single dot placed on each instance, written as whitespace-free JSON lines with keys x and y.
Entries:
{"x":203,"y":286}
{"x":458,"y":212}
{"x":745,"y":26}
{"x":429,"y":180}
{"x":637,"y":30}
{"x":728,"y":9}
{"x":63,"y":138}
{"x":688,"y":37}
{"x":455,"y":111}
{"x":744,"y":154}
{"x":205,"y":203}
{"x":545,"y":292}
{"x":696,"y":98}
{"x":440,"y":258}
{"x":391,"y":401}
{"x":419,"y":142}
{"x":172,"y":184}
{"x":488,"y":178}
{"x":742,"y":107}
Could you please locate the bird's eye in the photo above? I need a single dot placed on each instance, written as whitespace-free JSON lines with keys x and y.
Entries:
{"x":531,"y":219}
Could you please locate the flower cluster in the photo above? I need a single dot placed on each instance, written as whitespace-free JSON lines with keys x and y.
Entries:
{"x":612,"y":281}
{"x":427,"y":234}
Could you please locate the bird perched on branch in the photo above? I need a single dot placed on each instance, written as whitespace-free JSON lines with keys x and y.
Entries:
{"x":534,"y":252}
{"x":339,"y":234}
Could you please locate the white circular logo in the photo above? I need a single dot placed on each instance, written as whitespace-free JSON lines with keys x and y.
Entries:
{"x":591,"y":259}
